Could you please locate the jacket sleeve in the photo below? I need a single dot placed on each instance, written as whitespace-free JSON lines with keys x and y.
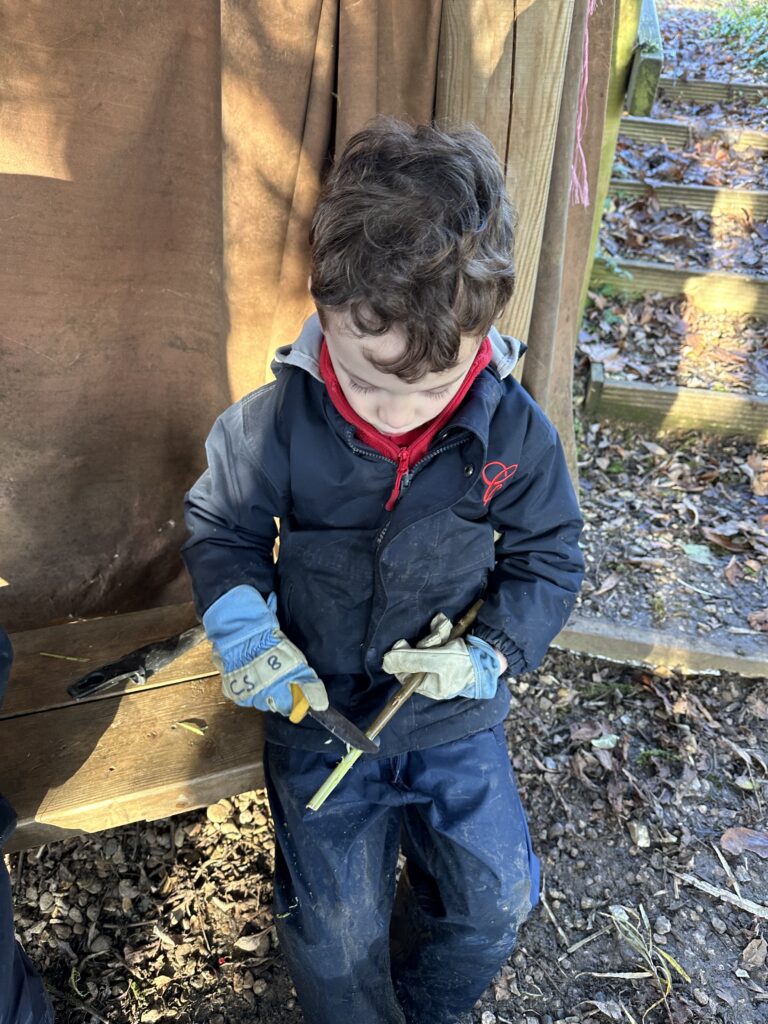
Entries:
{"x":539,"y":566}
{"x":230,"y":512}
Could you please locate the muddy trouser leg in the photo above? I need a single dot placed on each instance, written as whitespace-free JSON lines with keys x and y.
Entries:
{"x":471,"y":876}
{"x":23,"y":999}
{"x":335,"y":884}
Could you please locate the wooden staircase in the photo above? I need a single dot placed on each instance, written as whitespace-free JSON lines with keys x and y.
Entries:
{"x":670,"y":407}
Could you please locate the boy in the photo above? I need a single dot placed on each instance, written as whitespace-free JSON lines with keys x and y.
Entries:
{"x":391,"y":446}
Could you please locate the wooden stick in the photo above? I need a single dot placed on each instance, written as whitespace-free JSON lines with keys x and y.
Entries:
{"x":722,"y":894}
{"x":407,"y":690}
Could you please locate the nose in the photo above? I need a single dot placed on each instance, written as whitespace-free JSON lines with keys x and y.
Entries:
{"x":395,"y":415}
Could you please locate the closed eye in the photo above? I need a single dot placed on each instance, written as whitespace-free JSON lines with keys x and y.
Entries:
{"x":359,"y":388}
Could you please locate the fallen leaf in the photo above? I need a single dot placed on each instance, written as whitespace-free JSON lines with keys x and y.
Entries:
{"x":733,"y":571}
{"x":758,"y":707}
{"x":723,"y":541}
{"x":700,"y":553}
{"x":608,"y":584}
{"x":759,"y":620}
{"x":758,"y":466}
{"x":589,"y":729}
{"x":4,"y":583}
{"x":258,"y":944}
{"x":606,"y":742}
{"x":755,"y":952}
{"x":745,"y":840}
{"x":608,"y":1008}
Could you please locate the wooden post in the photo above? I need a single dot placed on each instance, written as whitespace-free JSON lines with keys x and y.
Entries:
{"x":627,"y":18}
{"x":557,"y":391}
{"x":647,"y":62}
{"x":501,"y":66}
{"x":539,"y":370}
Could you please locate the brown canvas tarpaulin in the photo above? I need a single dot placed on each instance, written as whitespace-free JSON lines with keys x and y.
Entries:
{"x":112,"y":317}
{"x":142,"y":286}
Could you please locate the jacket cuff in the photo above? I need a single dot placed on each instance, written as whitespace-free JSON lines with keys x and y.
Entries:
{"x":514,"y":655}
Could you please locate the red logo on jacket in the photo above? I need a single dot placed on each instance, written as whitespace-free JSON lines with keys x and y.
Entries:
{"x":495,"y":475}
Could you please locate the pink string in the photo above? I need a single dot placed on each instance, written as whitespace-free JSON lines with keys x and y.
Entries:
{"x":579,"y":172}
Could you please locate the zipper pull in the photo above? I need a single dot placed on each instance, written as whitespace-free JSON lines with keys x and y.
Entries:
{"x":400,"y":476}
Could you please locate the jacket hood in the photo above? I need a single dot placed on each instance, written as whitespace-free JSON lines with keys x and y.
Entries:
{"x":305,"y":351}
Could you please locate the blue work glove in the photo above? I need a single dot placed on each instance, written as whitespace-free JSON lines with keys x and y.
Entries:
{"x":463,"y":667}
{"x":256,"y":659}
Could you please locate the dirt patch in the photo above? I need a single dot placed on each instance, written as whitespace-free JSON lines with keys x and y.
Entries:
{"x":628,"y":778}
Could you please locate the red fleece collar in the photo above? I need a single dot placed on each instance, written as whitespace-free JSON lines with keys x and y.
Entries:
{"x":404,"y":449}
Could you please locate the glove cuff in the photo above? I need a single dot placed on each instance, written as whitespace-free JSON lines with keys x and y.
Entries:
{"x":238,"y":616}
{"x":515,"y":658}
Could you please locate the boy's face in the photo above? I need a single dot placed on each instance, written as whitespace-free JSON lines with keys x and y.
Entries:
{"x":391,"y":405}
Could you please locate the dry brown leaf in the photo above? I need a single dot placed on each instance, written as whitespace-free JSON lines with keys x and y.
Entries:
{"x":758,"y":465}
{"x":745,"y":840}
{"x":733,"y":571}
{"x":755,"y":952}
{"x":608,"y":584}
{"x":759,"y":620}
{"x":589,"y":729}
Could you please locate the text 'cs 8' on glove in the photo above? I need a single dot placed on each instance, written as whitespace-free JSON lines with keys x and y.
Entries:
{"x":257,"y":661}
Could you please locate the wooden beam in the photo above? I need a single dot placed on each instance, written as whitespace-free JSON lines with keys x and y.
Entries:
{"x":676,"y":408}
{"x":99,"y":765}
{"x":628,"y":645}
{"x":683,"y":134}
{"x":541,"y":47}
{"x":704,"y":91}
{"x":710,"y":290}
{"x":646,"y":63}
{"x":501,"y":67}
{"x":707,"y":198}
{"x":39,"y":681}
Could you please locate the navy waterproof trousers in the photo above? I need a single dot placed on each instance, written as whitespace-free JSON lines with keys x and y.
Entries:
{"x":361,"y":948}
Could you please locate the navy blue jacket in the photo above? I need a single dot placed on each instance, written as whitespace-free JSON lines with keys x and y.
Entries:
{"x":489,"y":511}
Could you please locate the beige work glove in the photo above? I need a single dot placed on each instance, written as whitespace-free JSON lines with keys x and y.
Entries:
{"x":464,"y":667}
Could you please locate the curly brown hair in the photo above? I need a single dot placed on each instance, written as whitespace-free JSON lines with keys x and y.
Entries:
{"x":414,"y":229}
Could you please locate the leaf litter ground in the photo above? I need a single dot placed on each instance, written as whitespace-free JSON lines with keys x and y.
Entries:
{"x":683,"y":238}
{"x":695,"y":49}
{"x":628,"y":778}
{"x":676,"y":535}
{"x":669,"y":341}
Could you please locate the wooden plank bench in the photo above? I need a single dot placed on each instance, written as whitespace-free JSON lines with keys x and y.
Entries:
{"x":118,"y":757}
{"x":71,"y":768}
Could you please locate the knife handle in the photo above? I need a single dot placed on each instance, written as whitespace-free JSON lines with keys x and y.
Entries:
{"x":300,"y":704}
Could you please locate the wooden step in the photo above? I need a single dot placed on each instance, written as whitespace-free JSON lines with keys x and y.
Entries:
{"x":711,"y":290}
{"x":706,"y":198}
{"x":659,"y":649}
{"x":663,"y":407}
{"x":704,"y":91}
{"x":683,"y":134}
